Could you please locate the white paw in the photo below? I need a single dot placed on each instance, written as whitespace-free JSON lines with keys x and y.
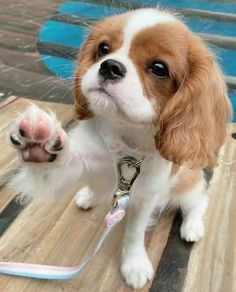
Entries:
{"x":85,"y":198}
{"x":192,"y":229}
{"x":38,"y":136}
{"x":136,"y":269}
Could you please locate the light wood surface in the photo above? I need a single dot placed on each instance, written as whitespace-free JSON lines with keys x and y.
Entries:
{"x":63,"y":235}
{"x":57,"y":232}
{"x":212,"y":264}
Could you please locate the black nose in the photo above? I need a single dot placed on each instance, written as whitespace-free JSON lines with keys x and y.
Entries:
{"x":112,"y":70}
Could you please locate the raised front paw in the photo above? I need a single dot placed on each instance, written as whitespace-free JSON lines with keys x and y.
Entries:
{"x":38,"y":136}
{"x":136,"y":268}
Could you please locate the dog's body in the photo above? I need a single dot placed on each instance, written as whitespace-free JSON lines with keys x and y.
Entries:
{"x":133,"y":123}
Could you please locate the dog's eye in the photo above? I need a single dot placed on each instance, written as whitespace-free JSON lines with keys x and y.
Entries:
{"x":103,"y":49}
{"x":159,"y":69}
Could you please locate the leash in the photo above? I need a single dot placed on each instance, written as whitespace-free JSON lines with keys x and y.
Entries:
{"x":114,"y":216}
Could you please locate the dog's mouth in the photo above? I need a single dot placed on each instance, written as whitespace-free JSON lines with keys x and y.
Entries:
{"x":100,"y":89}
{"x":110,"y":101}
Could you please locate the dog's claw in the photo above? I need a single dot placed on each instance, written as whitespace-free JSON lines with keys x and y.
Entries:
{"x":15,"y":140}
{"x":57,"y":145}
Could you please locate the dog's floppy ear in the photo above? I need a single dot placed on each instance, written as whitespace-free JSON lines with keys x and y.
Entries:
{"x":85,"y":60}
{"x":193,"y":122}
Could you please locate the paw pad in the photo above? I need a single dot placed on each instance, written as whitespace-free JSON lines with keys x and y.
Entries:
{"x":37,"y":135}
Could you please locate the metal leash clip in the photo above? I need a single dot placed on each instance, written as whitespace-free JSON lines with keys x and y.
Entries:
{"x":124,"y":184}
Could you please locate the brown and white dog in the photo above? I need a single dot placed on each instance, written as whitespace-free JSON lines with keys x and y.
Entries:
{"x":145,"y":86}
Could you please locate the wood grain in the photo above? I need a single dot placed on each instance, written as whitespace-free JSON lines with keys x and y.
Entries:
{"x":25,"y":61}
{"x":33,"y":84}
{"x":59,"y":233}
{"x":6,"y":195}
{"x":16,"y":41}
{"x":22,"y":73}
{"x":212,"y":264}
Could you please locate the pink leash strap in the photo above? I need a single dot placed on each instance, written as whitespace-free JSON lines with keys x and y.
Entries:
{"x":65,"y":273}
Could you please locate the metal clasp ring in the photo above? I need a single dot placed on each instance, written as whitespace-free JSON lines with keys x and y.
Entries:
{"x":125,"y":184}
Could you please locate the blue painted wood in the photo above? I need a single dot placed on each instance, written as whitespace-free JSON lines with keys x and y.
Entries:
{"x":196,"y":4}
{"x":63,"y":33}
{"x":89,"y":10}
{"x":96,"y":11}
{"x":227,"y":60}
{"x":232,"y":96}
{"x":62,"y":67}
{"x":73,"y":35}
{"x":211,"y":26}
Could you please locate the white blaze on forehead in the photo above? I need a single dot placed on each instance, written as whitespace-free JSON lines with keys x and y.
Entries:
{"x":126,"y":96}
{"x":143,"y":18}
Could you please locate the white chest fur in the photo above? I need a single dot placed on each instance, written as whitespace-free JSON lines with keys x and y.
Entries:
{"x":123,"y":139}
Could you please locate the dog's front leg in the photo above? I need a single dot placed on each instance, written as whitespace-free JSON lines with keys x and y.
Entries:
{"x":136,"y":267}
{"x":49,"y":161}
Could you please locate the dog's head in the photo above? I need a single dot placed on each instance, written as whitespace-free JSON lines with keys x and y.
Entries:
{"x":145,"y":67}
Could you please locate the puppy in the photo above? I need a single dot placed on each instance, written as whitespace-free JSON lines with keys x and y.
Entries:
{"x":145,"y":86}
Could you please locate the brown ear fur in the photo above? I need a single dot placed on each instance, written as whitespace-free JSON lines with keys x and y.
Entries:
{"x":84,"y":61}
{"x":193,"y":120}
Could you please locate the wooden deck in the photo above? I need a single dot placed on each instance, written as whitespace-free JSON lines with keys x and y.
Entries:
{"x":60,"y":233}
{"x":57,"y":232}
{"x":22,"y":72}
{"x":212,"y":264}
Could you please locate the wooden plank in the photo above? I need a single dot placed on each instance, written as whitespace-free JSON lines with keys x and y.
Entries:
{"x":16,"y":41}
{"x":66,"y":238}
{"x":34,"y":85}
{"x":6,"y":195}
{"x":15,"y":25}
{"x":37,"y":7}
{"x":231,"y":81}
{"x":7,"y":101}
{"x":38,"y":219}
{"x":172,"y":267}
{"x":13,"y":207}
{"x":219,"y":40}
{"x":48,"y":48}
{"x":26,"y":16}
{"x":212,"y":264}
{"x":25,"y":61}
{"x":8,"y":113}
{"x":230,"y":17}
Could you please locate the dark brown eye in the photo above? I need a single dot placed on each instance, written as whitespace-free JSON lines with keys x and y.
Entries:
{"x":103,"y":49}
{"x":159,"y":69}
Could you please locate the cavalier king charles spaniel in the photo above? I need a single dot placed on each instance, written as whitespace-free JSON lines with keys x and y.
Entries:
{"x":145,"y":86}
